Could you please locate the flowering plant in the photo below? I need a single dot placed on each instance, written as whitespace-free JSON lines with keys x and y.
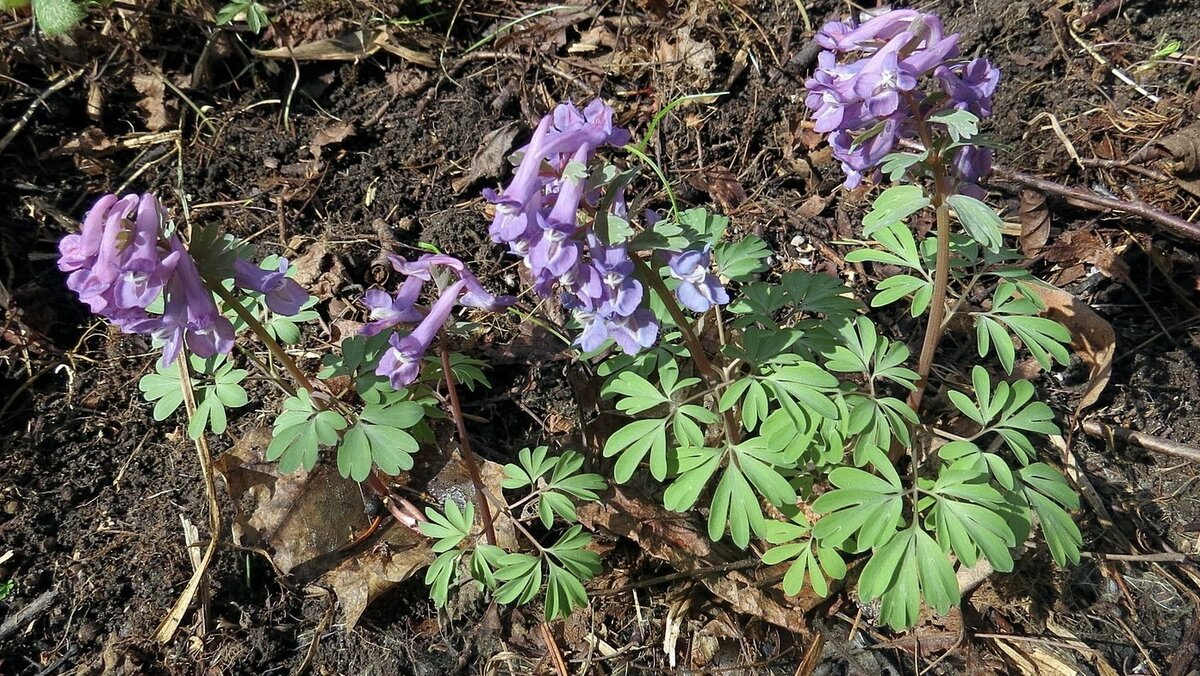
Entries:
{"x":777,"y":406}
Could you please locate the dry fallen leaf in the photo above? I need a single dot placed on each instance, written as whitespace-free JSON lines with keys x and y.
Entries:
{"x":676,"y":539}
{"x":348,"y":47}
{"x":722,"y":185}
{"x":1093,"y":338}
{"x":1035,"y":222}
{"x":360,"y":580}
{"x":489,"y":157}
{"x":159,"y":112}
{"x":334,"y":133}
{"x":300,"y":519}
{"x":693,"y":59}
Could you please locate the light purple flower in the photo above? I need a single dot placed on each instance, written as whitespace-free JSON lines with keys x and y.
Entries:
{"x":476,"y":296}
{"x":283,"y":295}
{"x":119,"y":264}
{"x":190,"y":316}
{"x":970,"y":85}
{"x":620,"y":292}
{"x":881,"y":80}
{"x":634,"y":333}
{"x":386,"y":310}
{"x":699,"y":289}
{"x":401,"y":363}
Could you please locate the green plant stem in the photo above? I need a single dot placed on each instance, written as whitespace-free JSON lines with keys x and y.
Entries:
{"x":937,"y":306}
{"x":464,"y":444}
{"x":711,"y":377}
{"x":259,"y":330}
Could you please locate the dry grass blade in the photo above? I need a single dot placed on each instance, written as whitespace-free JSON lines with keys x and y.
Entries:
{"x":170,"y":624}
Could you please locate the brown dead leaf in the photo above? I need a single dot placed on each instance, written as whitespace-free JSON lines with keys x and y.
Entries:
{"x":334,"y":133}
{"x":361,"y":580}
{"x":691,"y":59}
{"x":722,"y":185}
{"x":319,"y":270}
{"x":489,"y":157}
{"x":300,"y":519}
{"x":676,"y":539}
{"x":1035,"y":222}
{"x":160,"y":113}
{"x":453,"y":483}
{"x":1092,"y":338}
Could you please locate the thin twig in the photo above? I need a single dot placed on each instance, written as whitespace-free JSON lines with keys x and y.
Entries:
{"x":29,"y":112}
{"x":1147,"y":441}
{"x":30,"y":611}
{"x":1157,"y":557}
{"x":560,"y":665}
{"x":464,"y":444}
{"x":1172,"y":224}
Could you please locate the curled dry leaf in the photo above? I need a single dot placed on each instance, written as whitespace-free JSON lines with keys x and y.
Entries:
{"x":679,"y":541}
{"x":722,"y":185}
{"x":360,"y":580}
{"x":160,"y":113}
{"x":334,"y":133}
{"x":692,"y":59}
{"x":1035,"y":222}
{"x":1092,"y":338}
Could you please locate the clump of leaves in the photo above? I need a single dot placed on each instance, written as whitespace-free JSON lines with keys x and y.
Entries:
{"x":560,"y":561}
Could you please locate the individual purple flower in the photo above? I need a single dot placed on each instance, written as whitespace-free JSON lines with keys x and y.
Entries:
{"x":970,"y":85}
{"x":634,"y":333}
{"x":860,"y":156}
{"x":620,"y":292}
{"x":283,"y":295}
{"x":699,"y":289}
{"x":476,"y":296}
{"x":386,"y":310}
{"x":838,"y":36}
{"x":401,"y":363}
{"x":881,"y":81}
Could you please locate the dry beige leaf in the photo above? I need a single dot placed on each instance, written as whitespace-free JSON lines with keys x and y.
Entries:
{"x":693,"y":59}
{"x":1092,"y":338}
{"x":351,"y":46}
{"x":722,"y":185}
{"x":334,"y":133}
{"x":159,"y":113}
{"x":1035,"y":222}
{"x":361,"y":580}
{"x":300,"y":519}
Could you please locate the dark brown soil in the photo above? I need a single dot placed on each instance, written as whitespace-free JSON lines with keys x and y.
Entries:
{"x":93,"y":490}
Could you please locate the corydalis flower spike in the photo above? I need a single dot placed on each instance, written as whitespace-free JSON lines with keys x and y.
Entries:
{"x":119,"y":265}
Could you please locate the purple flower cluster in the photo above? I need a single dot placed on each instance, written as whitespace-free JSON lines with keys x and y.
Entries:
{"x":865,"y":91}
{"x":538,"y":217}
{"x":120,"y":263}
{"x":401,"y":363}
